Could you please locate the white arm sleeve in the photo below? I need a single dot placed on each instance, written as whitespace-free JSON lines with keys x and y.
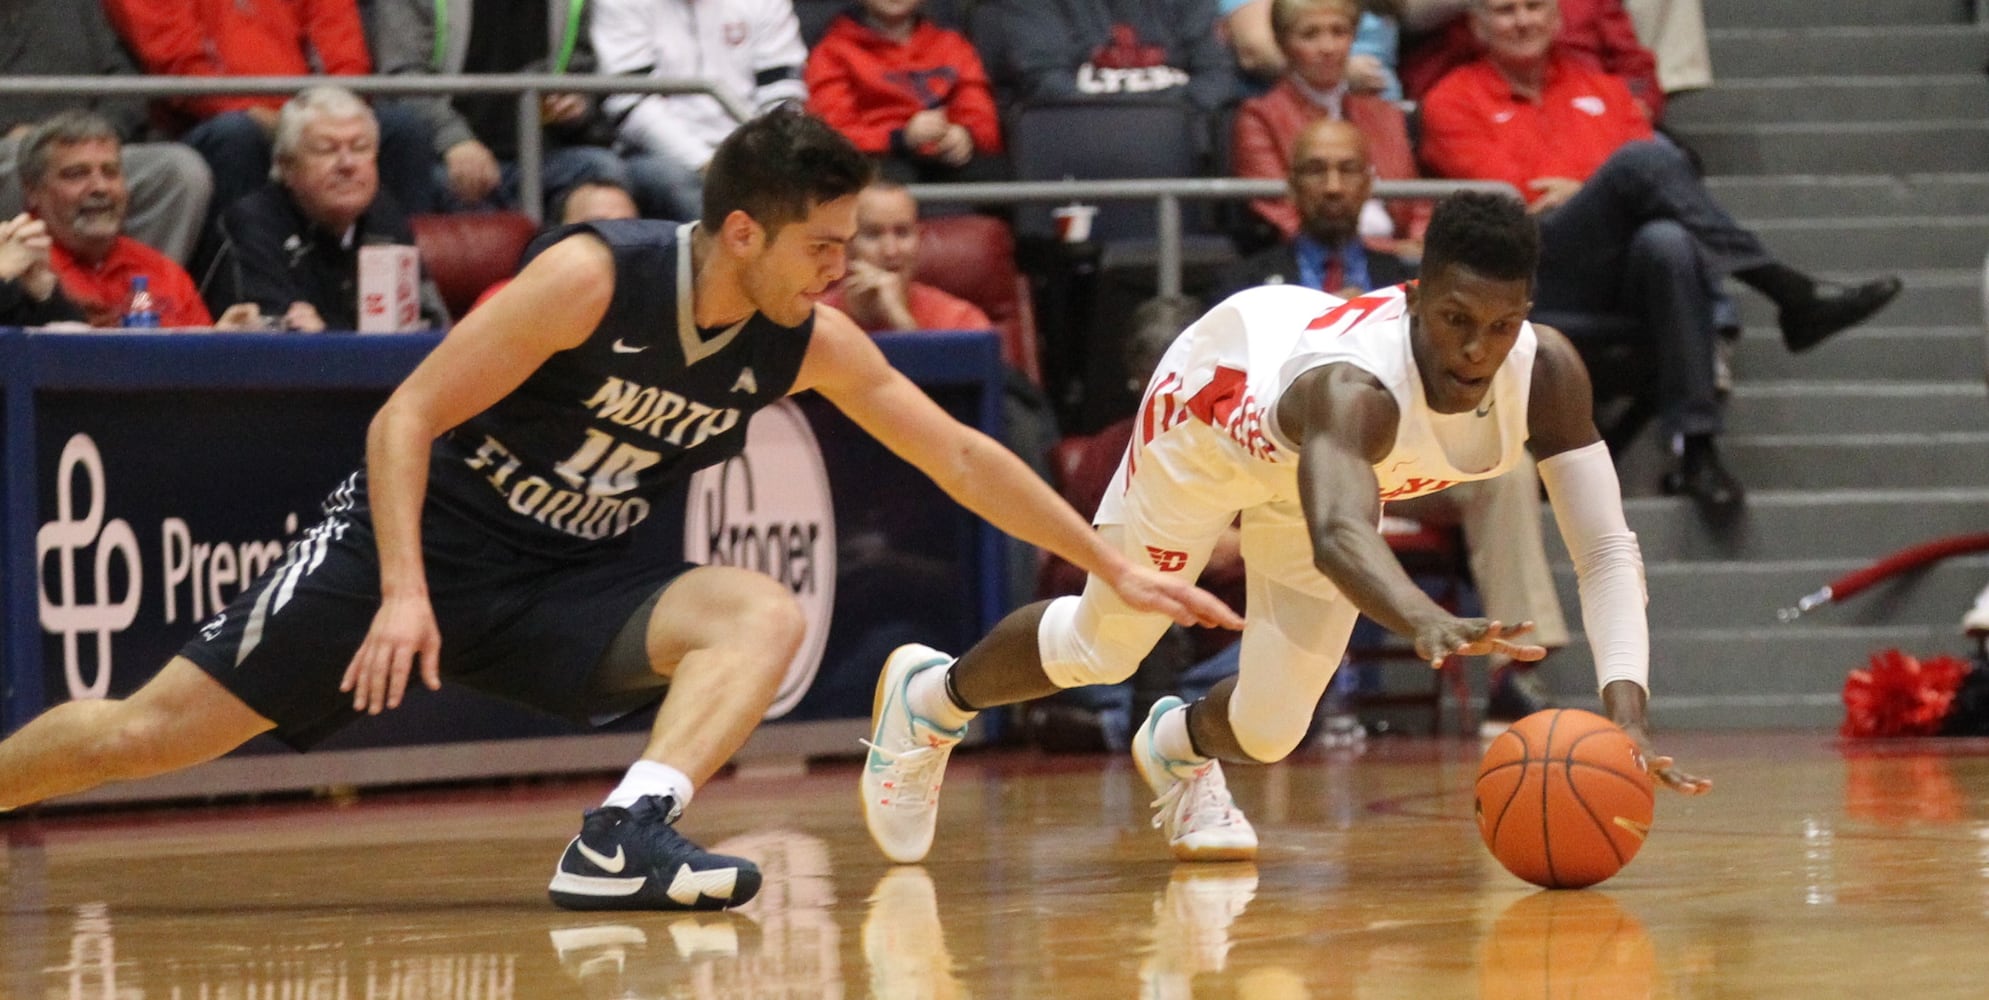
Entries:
{"x":1588,"y":507}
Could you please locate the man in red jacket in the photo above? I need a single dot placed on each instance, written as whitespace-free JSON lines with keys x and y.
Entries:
{"x":1626,"y":226}
{"x":73,"y":177}
{"x":907,"y":91}
{"x":263,"y":38}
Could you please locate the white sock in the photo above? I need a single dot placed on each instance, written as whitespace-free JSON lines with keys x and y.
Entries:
{"x":647,"y":777}
{"x":926,"y":694}
{"x":1170,"y":737}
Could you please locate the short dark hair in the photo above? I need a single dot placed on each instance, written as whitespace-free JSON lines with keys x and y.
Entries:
{"x":1491,"y":234}
{"x":778,"y":165}
{"x":64,"y":128}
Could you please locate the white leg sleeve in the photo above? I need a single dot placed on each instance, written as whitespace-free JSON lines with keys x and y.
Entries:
{"x":1296,"y":633}
{"x":1588,"y":507}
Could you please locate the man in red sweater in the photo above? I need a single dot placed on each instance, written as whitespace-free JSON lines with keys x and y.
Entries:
{"x":907,"y":91}
{"x":73,"y":178}
{"x":263,"y":38}
{"x":1626,"y":226}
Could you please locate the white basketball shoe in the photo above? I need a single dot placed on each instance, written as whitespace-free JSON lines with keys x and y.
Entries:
{"x":907,"y":760}
{"x":1192,"y":800}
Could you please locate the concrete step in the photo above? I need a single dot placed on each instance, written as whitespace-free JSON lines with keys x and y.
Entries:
{"x":1748,"y":53}
{"x":1835,"y":98}
{"x":1932,"y":297}
{"x":1758,"y":200}
{"x":1787,"y":14}
{"x":1905,"y":354}
{"x":1765,"y":407}
{"x":1855,"y":526}
{"x":1880,"y":147}
{"x":1849,"y":461}
{"x":1879,"y":242}
{"x":1750,"y":678}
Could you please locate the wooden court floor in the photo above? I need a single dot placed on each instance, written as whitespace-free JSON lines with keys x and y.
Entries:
{"x":1812,"y":870}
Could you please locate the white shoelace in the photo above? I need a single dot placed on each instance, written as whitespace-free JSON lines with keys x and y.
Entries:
{"x":911,"y":774}
{"x":1208,"y":791}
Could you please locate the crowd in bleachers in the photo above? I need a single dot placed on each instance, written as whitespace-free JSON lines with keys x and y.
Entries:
{"x":248,"y":212}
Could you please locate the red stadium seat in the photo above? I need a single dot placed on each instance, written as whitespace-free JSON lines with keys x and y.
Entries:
{"x":467,"y":252}
{"x":973,"y":257}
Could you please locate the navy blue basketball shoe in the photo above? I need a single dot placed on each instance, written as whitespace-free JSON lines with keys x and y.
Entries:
{"x":634,"y":859}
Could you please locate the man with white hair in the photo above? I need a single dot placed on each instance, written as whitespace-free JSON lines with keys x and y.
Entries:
{"x":292,"y":247}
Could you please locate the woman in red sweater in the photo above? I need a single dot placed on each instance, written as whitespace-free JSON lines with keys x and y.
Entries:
{"x":907,"y":91}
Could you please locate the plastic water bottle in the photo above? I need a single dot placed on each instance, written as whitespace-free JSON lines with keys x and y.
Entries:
{"x":140,"y":311}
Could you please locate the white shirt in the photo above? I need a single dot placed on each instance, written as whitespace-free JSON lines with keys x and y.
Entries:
{"x":751,"y":49}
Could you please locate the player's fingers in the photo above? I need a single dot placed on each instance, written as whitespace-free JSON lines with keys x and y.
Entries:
{"x":1525,"y":652}
{"x":431,"y":663}
{"x":376,"y":681}
{"x":362,"y":673}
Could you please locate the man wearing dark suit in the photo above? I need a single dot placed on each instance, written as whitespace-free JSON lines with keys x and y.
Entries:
{"x":1331,"y":179}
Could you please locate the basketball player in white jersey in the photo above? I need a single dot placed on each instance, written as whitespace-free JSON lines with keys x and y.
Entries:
{"x":1303,"y":414}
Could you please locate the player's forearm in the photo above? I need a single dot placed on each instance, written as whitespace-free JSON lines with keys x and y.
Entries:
{"x":397,"y":453}
{"x":1002,"y":489}
{"x":1352,"y":554}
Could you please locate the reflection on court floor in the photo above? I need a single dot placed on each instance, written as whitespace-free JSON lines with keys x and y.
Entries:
{"x":1810,"y":871}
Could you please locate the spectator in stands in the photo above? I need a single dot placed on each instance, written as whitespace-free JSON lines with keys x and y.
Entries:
{"x":1626,"y":225}
{"x":170,"y":184}
{"x":879,"y":292}
{"x":1330,"y":181}
{"x":292,"y":247}
{"x":476,"y":135}
{"x":907,"y":91}
{"x":29,"y":292}
{"x":1598,"y":33}
{"x":1675,"y":32}
{"x":593,"y":201}
{"x":72,"y":172}
{"x":587,"y":201}
{"x":233,"y":133}
{"x":748,"y":49}
{"x":1315,"y":37}
{"x":1371,"y":62}
{"x":1060,"y":50}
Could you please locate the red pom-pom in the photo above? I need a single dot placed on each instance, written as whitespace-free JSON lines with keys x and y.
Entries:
{"x":1898,"y":695}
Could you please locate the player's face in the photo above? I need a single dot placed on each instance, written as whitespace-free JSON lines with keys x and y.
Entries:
{"x":887,"y":230}
{"x":1517,"y":30}
{"x":1463,"y":326}
{"x":81,"y":196}
{"x":800,"y":261}
{"x":891,"y":11}
{"x":1316,"y":46}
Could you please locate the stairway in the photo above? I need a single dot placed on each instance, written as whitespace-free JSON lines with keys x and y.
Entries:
{"x":1854,"y":136}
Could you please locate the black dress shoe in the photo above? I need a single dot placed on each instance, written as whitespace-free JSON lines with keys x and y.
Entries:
{"x":1702,"y":477}
{"x":1839,"y":307}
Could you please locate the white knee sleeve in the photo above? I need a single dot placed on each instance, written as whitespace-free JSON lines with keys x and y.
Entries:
{"x":1095,"y":639}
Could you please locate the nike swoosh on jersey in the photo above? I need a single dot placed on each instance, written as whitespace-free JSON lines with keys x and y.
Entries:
{"x":621,"y":348}
{"x":607,"y":864}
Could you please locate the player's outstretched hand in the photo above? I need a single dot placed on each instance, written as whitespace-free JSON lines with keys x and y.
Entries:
{"x":1449,"y":637}
{"x":1187,"y":604}
{"x":403,"y":633}
{"x":1661,"y":767}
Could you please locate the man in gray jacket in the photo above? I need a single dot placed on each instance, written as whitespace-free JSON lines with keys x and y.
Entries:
{"x":476,"y":136}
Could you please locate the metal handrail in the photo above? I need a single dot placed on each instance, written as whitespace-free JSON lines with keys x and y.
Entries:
{"x":1167,"y":195}
{"x":527,"y":87}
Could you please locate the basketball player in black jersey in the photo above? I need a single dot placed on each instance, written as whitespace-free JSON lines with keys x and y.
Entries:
{"x":486,"y":539}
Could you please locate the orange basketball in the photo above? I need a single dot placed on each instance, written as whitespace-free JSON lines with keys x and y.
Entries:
{"x":1562,"y":800}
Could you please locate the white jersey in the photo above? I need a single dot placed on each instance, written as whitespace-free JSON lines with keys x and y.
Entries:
{"x":1230,"y":369}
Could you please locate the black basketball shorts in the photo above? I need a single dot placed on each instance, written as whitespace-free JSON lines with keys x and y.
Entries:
{"x":524,"y":626}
